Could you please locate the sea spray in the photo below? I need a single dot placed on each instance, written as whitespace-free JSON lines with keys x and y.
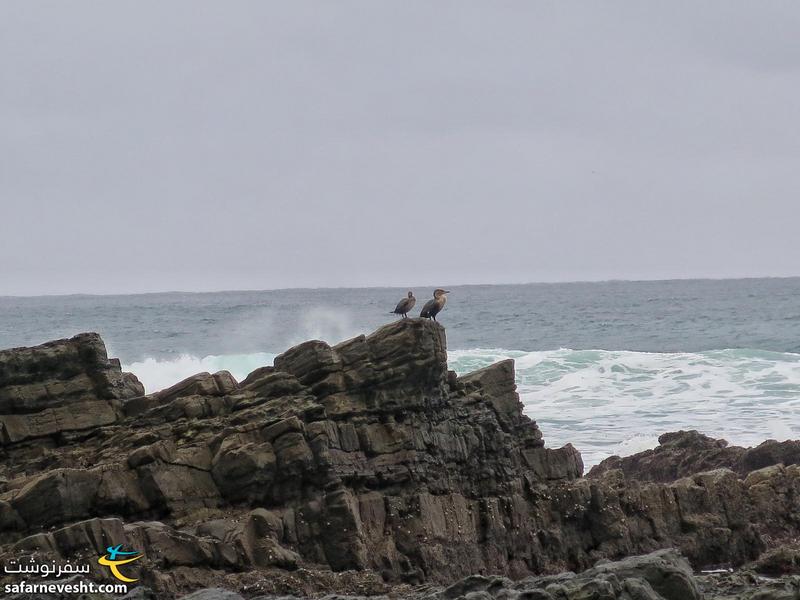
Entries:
{"x":322,"y":323}
{"x":159,"y":374}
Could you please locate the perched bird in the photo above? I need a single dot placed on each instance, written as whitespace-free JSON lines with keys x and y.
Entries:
{"x":435,"y":306}
{"x":405,"y":305}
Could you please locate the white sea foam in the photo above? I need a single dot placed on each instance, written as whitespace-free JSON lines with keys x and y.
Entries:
{"x":159,"y":374}
{"x":603,"y":402}
{"x":609,"y":403}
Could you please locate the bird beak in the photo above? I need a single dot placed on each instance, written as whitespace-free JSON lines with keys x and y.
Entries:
{"x":447,"y":291}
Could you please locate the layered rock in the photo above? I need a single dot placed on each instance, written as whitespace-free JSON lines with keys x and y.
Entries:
{"x":61,"y":386}
{"x":662,"y":575}
{"x":684,"y":453}
{"x":366,"y":457}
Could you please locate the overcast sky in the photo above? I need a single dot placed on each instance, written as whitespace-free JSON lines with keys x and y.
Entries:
{"x":151,"y":145}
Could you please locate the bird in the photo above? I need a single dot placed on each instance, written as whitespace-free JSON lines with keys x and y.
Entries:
{"x":405,"y":305}
{"x":435,"y":306}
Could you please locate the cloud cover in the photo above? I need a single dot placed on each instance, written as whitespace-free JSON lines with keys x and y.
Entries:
{"x":201,"y":145}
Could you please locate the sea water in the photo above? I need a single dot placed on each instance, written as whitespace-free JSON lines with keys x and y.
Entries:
{"x":606,"y":366}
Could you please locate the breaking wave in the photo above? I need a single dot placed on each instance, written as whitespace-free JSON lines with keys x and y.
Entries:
{"x":619,"y":402}
{"x":159,"y":374}
{"x":605,"y":402}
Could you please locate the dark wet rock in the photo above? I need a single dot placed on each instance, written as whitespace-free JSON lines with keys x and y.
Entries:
{"x":685,"y":453}
{"x":679,"y":454}
{"x":365,"y":467}
{"x":747,"y":585}
{"x":61,"y":386}
{"x":769,"y":453}
{"x":784,"y":560}
{"x":212,"y":594}
{"x":39,"y":377}
{"x":244,"y":467}
{"x":203,"y":384}
{"x":57,"y":496}
{"x":663,"y":575}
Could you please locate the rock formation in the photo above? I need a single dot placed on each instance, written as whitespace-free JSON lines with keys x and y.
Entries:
{"x":60,"y":387}
{"x":683,"y":453}
{"x":359,"y":467}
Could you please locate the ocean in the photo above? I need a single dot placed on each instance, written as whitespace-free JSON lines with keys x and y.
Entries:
{"x":607,"y":366}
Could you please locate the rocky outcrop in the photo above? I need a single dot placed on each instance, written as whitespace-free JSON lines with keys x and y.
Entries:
{"x":663,"y":575}
{"x":684,"y":453}
{"x":367,"y":464}
{"x":61,"y":386}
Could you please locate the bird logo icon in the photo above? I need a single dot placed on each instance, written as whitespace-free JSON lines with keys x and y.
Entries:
{"x":112,"y":561}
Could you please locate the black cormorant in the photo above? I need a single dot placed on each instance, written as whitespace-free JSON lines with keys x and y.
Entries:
{"x":405,"y":305}
{"x":435,"y":306}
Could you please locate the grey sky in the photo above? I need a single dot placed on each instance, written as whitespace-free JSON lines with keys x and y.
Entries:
{"x":152,"y":145}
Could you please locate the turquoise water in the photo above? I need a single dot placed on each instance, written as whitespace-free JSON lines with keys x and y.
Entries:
{"x":606,"y":366}
{"x":619,"y":402}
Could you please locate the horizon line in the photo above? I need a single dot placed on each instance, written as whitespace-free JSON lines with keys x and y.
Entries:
{"x":373,"y":287}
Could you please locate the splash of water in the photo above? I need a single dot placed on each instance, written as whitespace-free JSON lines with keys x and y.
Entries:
{"x":619,"y":402}
{"x":159,"y":374}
